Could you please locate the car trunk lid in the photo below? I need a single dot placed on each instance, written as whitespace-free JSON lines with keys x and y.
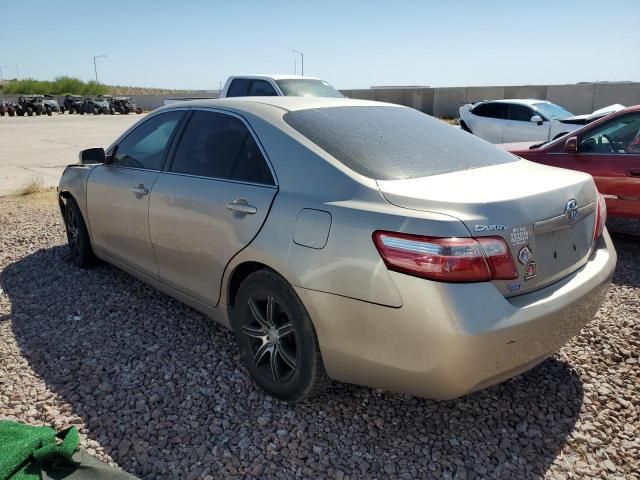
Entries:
{"x":524,"y":203}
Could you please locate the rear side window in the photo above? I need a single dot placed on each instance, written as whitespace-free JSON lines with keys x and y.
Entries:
{"x":238,"y":88}
{"x":146,"y":146}
{"x":217,"y":145}
{"x":520,"y":113}
{"x":393,"y":143}
{"x":492,"y":110}
{"x":261,"y":88}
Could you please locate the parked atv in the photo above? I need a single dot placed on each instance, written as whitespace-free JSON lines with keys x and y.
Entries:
{"x":96,"y":106}
{"x":73,"y":104}
{"x":30,"y":104}
{"x":124,"y":105}
{"x":7,"y":108}
{"x":52,"y":103}
{"x":109,"y":100}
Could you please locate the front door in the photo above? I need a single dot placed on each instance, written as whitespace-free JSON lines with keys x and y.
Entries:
{"x":118,"y":193}
{"x":209,"y":204}
{"x":520,"y":128}
{"x":610,"y":152}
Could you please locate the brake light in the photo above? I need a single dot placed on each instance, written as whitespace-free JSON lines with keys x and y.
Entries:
{"x":446,"y":259}
{"x":601,"y":216}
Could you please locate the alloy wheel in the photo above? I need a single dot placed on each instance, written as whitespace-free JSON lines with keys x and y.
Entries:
{"x":271,"y":338}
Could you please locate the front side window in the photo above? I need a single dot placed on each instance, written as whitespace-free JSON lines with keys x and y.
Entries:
{"x":146,"y":146}
{"x":294,"y":87}
{"x":261,"y":88}
{"x":520,"y":113}
{"x":220,"y":146}
{"x":620,"y":135}
{"x":393,"y":143}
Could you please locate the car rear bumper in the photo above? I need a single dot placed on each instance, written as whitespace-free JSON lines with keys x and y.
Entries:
{"x":451,"y":339}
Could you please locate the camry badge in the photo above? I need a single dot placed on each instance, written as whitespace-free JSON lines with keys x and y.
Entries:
{"x":571,"y":210}
{"x":524,"y":255}
{"x":490,"y":228}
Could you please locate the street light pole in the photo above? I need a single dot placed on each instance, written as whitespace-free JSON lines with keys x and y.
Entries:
{"x":95,"y":67}
{"x":301,"y":60}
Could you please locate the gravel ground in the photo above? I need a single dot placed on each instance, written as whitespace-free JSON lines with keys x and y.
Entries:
{"x":158,"y":389}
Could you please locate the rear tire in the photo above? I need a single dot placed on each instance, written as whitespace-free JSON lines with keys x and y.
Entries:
{"x":78,"y":236}
{"x":276,"y":338}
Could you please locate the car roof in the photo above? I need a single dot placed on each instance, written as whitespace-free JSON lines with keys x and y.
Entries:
{"x":519,"y":101}
{"x":255,"y":104}
{"x":276,"y":76}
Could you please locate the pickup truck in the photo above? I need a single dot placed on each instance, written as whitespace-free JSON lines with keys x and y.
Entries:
{"x":277,"y":85}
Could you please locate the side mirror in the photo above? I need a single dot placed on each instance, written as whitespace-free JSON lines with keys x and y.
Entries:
{"x":92,"y":156}
{"x":571,"y":145}
{"x":536,"y":119}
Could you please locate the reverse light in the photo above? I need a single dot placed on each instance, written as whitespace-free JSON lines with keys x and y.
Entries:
{"x":601,"y":217}
{"x":446,"y":259}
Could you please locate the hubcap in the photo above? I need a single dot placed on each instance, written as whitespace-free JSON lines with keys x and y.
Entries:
{"x":271,"y":337}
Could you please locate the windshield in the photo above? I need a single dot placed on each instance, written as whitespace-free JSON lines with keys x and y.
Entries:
{"x":307,"y":88}
{"x":552,"y":111}
{"x":393,"y":143}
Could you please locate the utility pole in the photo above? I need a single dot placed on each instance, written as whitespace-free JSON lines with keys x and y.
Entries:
{"x":95,"y":67}
{"x":301,"y":60}
{"x":1,"y":74}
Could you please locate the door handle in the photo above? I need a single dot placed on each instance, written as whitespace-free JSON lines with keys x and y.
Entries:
{"x":140,"y":190}
{"x":634,"y":172}
{"x":240,"y":205}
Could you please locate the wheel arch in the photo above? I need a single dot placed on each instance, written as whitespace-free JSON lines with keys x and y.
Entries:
{"x":238,"y":274}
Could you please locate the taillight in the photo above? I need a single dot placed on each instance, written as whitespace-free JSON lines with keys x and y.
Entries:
{"x":601,"y":217}
{"x":446,"y":259}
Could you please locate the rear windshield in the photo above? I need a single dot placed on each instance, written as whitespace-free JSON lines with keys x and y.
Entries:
{"x":393,"y":143}
{"x":307,"y":88}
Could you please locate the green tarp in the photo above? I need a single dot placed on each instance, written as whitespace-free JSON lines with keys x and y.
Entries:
{"x":35,"y":453}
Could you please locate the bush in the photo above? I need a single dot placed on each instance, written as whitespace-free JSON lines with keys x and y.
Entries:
{"x":59,"y":86}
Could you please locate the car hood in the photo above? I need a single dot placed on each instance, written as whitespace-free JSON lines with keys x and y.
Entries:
{"x":588,"y":117}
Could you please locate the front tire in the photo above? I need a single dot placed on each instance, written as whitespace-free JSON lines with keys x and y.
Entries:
{"x":276,"y":338}
{"x":78,"y":236}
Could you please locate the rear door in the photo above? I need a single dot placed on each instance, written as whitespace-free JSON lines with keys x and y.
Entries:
{"x":610,"y":152}
{"x":210,"y":202}
{"x":118,"y":193}
{"x":490,"y":122}
{"x":520,"y":128}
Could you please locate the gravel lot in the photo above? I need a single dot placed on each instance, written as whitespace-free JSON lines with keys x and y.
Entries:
{"x":158,"y":389}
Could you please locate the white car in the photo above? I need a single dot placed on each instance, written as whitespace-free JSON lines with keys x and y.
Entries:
{"x":277,"y":85}
{"x":523,"y":120}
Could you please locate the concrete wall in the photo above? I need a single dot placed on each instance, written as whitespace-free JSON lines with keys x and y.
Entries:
{"x":444,"y":102}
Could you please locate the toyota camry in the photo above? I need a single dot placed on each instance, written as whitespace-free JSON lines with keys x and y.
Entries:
{"x":353,"y":240}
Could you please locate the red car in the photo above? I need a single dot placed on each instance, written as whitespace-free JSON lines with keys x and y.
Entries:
{"x":608,"y":149}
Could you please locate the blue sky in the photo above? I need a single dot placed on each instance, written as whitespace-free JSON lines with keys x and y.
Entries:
{"x":352,"y":44}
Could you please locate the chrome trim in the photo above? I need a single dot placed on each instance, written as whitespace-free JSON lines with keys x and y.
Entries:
{"x":560,"y":222}
{"x":218,"y":179}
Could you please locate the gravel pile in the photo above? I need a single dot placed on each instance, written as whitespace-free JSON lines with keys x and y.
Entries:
{"x":158,"y":389}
